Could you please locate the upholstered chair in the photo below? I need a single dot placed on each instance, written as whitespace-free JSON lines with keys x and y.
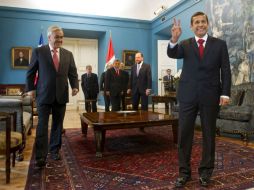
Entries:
{"x":10,"y":140}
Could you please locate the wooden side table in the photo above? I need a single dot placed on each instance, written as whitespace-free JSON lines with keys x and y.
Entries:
{"x":170,"y":98}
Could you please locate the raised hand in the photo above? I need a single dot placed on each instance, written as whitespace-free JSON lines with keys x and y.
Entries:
{"x":176,"y":31}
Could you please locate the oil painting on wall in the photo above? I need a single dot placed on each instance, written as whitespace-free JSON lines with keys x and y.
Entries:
{"x":233,"y":21}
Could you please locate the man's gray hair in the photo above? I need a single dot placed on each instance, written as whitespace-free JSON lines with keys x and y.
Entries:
{"x":52,"y":29}
{"x":88,"y":66}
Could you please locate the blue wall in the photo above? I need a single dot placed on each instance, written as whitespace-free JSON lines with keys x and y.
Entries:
{"x":22,"y":27}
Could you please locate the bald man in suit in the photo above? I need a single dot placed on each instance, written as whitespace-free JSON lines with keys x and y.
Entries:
{"x":140,"y":82}
{"x":204,"y":86}
{"x":55,"y":65}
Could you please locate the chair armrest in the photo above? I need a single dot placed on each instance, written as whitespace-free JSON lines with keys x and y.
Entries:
{"x":27,"y":102}
{"x":13,"y":105}
{"x":251,"y":122}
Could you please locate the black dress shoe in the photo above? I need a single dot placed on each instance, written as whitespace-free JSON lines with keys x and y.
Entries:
{"x":55,"y":156}
{"x":204,"y":181}
{"x":40,"y":163}
{"x":181,"y":181}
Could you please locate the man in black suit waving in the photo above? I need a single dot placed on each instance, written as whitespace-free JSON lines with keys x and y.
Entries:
{"x":204,"y":85}
{"x":55,"y":65}
{"x":140,"y":82}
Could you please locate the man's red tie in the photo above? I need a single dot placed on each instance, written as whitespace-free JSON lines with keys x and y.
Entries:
{"x":117,"y":72}
{"x":201,"y":47}
{"x":55,"y":60}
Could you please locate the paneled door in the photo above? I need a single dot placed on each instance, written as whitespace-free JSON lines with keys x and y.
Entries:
{"x":164,"y":63}
{"x":85,"y":52}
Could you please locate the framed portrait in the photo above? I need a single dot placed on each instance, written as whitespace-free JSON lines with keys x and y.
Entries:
{"x":20,"y":57}
{"x":129,"y":58}
{"x":12,"y":91}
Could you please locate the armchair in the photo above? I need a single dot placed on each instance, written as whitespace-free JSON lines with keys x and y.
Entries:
{"x":10,"y":140}
{"x":24,"y":118}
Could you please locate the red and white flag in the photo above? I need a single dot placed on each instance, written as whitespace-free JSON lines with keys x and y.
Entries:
{"x":110,"y":54}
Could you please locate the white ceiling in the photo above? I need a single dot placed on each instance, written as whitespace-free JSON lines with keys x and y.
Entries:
{"x":134,"y":9}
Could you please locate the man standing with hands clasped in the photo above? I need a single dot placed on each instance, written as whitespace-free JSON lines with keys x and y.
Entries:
{"x":90,"y":88}
{"x":55,"y":65}
{"x":204,"y":86}
{"x":140,"y":82}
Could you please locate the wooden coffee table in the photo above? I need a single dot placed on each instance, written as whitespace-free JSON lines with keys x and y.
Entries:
{"x":103,"y":121}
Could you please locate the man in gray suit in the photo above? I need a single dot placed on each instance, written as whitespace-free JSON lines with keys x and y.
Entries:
{"x":140,"y":82}
{"x":55,"y":65}
{"x":204,"y":85}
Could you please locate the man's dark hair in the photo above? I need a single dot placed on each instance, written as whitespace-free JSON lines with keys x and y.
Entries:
{"x":198,"y":14}
{"x":140,"y":53}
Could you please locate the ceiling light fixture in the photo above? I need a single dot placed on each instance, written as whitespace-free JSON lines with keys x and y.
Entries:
{"x":160,"y":10}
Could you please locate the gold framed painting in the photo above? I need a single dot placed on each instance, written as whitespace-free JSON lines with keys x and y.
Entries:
{"x":129,"y":58}
{"x":20,"y":57}
{"x":12,"y":91}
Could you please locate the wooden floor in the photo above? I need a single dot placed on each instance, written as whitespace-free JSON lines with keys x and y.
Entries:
{"x":19,"y":172}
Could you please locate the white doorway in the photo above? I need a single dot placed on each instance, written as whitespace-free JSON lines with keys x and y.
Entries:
{"x":164,"y":63}
{"x":85,"y":52}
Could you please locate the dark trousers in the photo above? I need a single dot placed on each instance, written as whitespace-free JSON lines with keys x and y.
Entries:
{"x":41,"y":140}
{"x":144,"y":101}
{"x":187,"y":117}
{"x":107,"y":102}
{"x":123,"y":102}
{"x":116,"y":102}
{"x":91,"y":105}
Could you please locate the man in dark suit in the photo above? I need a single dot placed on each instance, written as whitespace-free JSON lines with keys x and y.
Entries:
{"x":204,"y":85}
{"x":140,"y":82}
{"x":90,"y":87}
{"x":103,"y":90}
{"x":125,"y":84}
{"x":168,"y":80}
{"x":55,"y":65}
{"x":21,"y":60}
{"x":114,"y":85}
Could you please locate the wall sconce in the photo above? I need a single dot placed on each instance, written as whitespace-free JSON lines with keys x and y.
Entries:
{"x":161,"y":9}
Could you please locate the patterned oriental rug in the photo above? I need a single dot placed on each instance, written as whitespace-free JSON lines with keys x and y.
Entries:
{"x":136,"y":160}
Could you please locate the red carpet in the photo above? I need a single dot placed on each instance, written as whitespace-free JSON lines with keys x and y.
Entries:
{"x":136,"y":160}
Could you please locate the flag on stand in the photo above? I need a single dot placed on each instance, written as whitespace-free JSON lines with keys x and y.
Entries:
{"x":110,"y":54}
{"x":41,"y":41}
{"x":39,"y":45}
